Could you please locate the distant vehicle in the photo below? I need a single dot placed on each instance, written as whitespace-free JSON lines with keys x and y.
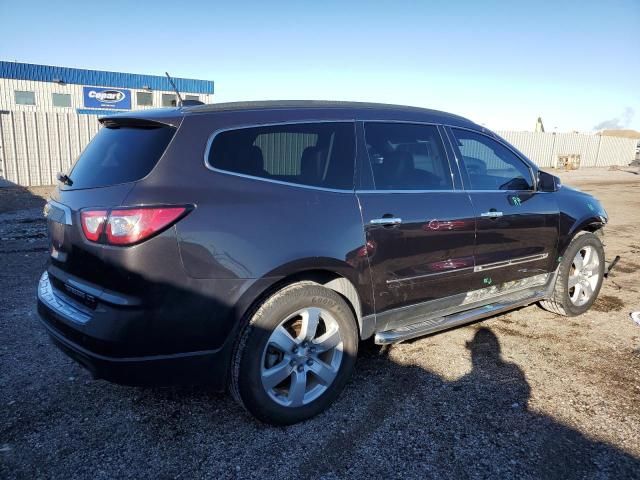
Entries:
{"x":254,"y":245}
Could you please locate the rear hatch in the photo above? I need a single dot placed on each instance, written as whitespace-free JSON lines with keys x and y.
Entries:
{"x":124,"y":151}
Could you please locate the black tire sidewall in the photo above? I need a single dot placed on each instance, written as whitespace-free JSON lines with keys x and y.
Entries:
{"x":267,"y":318}
{"x":585,"y":239}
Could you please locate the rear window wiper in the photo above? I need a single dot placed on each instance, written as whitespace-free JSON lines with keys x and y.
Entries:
{"x":64,"y":178}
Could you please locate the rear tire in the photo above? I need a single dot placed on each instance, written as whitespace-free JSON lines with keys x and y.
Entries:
{"x":295,"y":355}
{"x":580,"y":276}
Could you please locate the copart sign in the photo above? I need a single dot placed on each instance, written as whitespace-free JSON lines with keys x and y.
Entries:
{"x":116,"y":98}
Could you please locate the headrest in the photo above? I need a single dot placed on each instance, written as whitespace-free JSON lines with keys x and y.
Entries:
{"x":250,"y":160}
{"x":397,"y":163}
{"x":312,"y":163}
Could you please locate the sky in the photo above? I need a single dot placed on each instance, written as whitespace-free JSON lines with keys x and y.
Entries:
{"x":500,"y":63}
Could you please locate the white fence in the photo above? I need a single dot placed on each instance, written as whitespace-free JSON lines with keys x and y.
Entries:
{"x":34,"y":146}
{"x":594,"y":150}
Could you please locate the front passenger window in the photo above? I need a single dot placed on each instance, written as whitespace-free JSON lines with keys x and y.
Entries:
{"x":489,"y":164}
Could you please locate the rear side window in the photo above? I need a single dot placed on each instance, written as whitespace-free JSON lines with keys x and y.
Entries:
{"x":489,"y":164}
{"x":120,"y":154}
{"x":315,"y":154}
{"x":407,"y":156}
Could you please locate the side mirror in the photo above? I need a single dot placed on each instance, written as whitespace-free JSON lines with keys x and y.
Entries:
{"x":548,"y":182}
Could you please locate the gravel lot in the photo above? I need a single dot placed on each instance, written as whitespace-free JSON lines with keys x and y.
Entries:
{"x":526,"y":395}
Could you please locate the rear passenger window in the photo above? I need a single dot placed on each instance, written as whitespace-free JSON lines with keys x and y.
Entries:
{"x":407,"y":156}
{"x":315,"y":154}
{"x":489,"y":164}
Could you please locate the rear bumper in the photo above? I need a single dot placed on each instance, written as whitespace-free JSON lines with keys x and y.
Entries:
{"x":69,"y":326}
{"x":184,"y":368}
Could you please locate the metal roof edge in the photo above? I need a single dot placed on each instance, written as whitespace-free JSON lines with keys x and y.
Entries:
{"x":102,"y":78}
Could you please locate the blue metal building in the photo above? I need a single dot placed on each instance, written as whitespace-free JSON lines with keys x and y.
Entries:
{"x":30,"y":87}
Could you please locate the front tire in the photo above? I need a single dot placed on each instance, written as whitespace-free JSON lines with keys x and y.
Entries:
{"x":295,"y":355}
{"x":580,"y":277}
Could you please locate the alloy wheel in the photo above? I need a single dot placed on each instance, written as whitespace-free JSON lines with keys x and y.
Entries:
{"x":302,"y":357}
{"x":584,"y":275}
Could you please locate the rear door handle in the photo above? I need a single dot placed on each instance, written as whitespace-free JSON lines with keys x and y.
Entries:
{"x":491,"y":214}
{"x":386,"y":221}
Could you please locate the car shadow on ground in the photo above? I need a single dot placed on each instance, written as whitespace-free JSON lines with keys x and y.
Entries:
{"x":403,"y":421}
{"x":477,"y":426}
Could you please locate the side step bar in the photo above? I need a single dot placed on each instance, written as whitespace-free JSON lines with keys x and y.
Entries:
{"x":433,"y":325}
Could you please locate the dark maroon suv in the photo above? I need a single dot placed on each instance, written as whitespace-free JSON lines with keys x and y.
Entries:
{"x":256,"y":244}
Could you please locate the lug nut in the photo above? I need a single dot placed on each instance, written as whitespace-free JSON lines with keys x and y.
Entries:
{"x":300,"y":368}
{"x":309,"y":362}
{"x":305,"y":343}
{"x":294,"y":349}
{"x":312,"y":349}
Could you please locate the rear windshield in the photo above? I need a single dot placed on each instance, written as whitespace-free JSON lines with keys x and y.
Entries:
{"x":119,"y":154}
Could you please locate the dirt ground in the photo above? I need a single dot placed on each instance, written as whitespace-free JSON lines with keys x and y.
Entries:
{"x":522,"y":395}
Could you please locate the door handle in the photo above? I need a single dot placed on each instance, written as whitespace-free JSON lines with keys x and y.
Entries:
{"x":493,"y":213}
{"x":386,"y":221}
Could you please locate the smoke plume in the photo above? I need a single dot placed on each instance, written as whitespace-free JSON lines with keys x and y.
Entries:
{"x":617,"y":123}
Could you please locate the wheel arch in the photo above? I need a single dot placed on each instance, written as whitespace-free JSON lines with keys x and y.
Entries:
{"x":339,"y":277}
{"x":557,"y":300}
{"x":591,"y":223}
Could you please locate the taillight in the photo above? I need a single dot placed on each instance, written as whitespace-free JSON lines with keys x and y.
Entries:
{"x":130,"y":225}
{"x":125,"y":227}
{"x":93,"y":223}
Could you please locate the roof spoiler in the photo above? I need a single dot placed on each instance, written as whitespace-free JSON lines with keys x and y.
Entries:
{"x":191,"y":103}
{"x":115,"y":122}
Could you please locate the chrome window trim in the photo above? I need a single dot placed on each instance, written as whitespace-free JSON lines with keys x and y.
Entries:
{"x":413,"y":122}
{"x":242,"y":126}
{"x":526,"y":162}
{"x":411,"y":191}
{"x":446,"y":129}
{"x":477,"y":268}
{"x":500,"y":191}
